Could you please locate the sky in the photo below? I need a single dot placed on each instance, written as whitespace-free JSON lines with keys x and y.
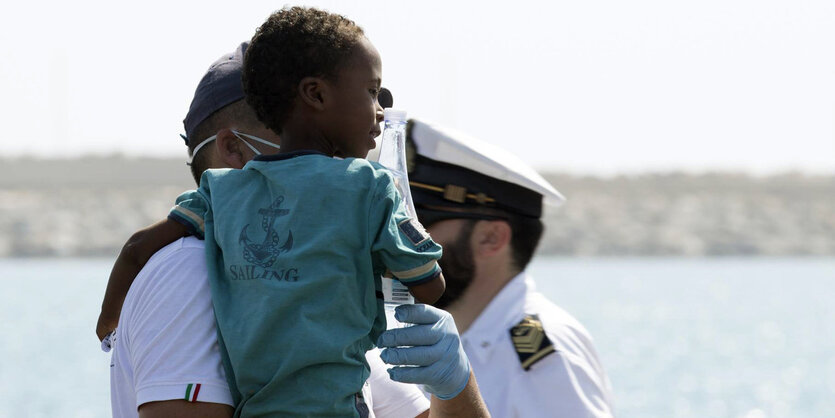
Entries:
{"x":589,"y":87}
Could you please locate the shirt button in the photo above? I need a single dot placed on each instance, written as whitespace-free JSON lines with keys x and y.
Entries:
{"x":485,"y":344}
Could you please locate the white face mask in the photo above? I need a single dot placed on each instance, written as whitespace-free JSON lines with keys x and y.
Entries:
{"x":239,"y":135}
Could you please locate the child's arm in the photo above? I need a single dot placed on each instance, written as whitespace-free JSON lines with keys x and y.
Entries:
{"x":135,"y":253}
{"x":430,"y":291}
{"x":403,"y":245}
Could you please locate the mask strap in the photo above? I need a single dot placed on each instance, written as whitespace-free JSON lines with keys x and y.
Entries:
{"x":200,"y":145}
{"x":237,"y":135}
{"x":256,"y":139}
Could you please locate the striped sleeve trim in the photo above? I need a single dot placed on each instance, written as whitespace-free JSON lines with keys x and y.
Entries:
{"x":192,"y":390}
{"x":215,"y":392}
{"x":189,"y":219}
{"x":417,"y":272}
{"x":198,"y":220}
{"x":426,"y":279}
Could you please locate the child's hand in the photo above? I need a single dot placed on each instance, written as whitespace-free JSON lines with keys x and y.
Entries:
{"x":433,"y":345}
{"x":430,"y":291}
{"x":105,"y":326}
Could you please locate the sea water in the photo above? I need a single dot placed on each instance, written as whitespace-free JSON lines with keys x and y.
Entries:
{"x":735,"y":337}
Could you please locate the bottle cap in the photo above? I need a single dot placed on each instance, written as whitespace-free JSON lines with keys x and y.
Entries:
{"x":385,"y":98}
{"x":394,"y":115}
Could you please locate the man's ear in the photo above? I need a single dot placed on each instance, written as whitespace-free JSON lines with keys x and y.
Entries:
{"x":228,"y":149}
{"x":491,"y":237}
{"x":313,"y":91}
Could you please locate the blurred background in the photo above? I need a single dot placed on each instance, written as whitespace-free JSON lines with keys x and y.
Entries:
{"x":695,"y":143}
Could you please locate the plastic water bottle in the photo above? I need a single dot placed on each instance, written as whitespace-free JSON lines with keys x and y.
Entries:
{"x":393,"y":154}
{"x":393,"y":157}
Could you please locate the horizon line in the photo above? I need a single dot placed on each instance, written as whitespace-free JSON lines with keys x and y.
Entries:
{"x":542,"y":168}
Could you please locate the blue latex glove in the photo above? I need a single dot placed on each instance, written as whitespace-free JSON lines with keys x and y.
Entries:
{"x":432,"y":349}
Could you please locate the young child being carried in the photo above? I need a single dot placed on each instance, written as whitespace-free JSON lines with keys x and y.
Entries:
{"x":296,"y":242}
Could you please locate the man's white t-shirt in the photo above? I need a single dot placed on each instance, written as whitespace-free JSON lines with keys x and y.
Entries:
{"x":166,"y":345}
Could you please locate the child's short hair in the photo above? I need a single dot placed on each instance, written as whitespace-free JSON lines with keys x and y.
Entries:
{"x":293,"y":43}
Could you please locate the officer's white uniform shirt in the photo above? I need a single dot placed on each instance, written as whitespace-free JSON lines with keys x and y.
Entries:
{"x":569,"y":382}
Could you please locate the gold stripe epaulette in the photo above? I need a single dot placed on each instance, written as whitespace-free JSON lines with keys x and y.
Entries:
{"x":530,"y":341}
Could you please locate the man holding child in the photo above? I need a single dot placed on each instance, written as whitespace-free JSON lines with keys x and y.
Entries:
{"x":145,"y":370}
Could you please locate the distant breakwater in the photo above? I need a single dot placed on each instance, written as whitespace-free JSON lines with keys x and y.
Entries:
{"x":90,"y":206}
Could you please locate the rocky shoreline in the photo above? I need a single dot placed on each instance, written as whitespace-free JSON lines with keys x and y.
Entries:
{"x":90,"y":206}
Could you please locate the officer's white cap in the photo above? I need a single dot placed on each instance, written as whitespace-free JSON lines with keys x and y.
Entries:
{"x":491,"y":176}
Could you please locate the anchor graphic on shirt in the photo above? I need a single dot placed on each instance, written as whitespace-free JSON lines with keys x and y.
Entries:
{"x":265,"y":253}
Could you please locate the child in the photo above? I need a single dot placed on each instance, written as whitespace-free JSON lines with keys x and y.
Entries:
{"x":296,"y":241}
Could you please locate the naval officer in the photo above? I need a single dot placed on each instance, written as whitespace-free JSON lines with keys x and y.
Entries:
{"x":484,"y":206}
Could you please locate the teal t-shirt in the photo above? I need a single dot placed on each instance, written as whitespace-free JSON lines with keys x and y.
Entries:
{"x":296,"y":245}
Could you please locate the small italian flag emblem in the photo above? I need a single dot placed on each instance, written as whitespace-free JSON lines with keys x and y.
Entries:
{"x":191,"y":392}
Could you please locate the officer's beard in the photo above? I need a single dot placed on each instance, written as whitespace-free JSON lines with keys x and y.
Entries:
{"x":457,"y":266}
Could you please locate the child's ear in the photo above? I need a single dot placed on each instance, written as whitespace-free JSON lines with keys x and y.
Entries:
{"x":312,"y":91}
{"x":228,"y":149}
